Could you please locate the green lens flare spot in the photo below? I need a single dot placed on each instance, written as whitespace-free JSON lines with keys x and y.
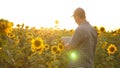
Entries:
{"x":73,"y":55}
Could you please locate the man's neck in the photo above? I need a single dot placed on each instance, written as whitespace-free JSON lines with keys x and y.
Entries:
{"x":82,"y":21}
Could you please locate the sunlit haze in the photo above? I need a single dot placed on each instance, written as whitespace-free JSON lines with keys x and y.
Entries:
{"x":43,"y":13}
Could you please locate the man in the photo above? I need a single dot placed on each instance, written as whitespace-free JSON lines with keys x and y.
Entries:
{"x":83,"y":41}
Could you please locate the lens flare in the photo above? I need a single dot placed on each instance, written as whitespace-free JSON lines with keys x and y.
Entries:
{"x":73,"y":55}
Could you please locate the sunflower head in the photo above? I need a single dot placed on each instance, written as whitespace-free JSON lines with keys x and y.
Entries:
{"x":5,"y":26}
{"x":104,"y":44}
{"x":18,"y":25}
{"x":7,"y":30}
{"x":102,"y":29}
{"x":71,"y":31}
{"x":114,"y":33}
{"x":37,"y":50}
{"x":60,"y":46}
{"x":11,"y":35}
{"x":46,"y":46}
{"x":57,"y":22}
{"x":10,"y":24}
{"x":58,"y":52}
{"x":40,"y":50}
{"x":29,"y":34}
{"x":96,"y":28}
{"x":26,"y":27}
{"x":37,"y":42}
{"x":54,"y":49}
{"x":111,"y":49}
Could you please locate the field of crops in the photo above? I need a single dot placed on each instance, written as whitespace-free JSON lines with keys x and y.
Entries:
{"x":28,"y":47}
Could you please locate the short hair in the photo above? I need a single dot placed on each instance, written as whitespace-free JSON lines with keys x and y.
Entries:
{"x":80,"y":13}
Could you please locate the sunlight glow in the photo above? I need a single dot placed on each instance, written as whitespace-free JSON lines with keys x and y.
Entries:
{"x":43,"y":13}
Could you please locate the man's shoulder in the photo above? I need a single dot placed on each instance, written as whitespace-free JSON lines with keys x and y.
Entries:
{"x":84,"y":24}
{"x":81,"y":27}
{"x":86,"y":27}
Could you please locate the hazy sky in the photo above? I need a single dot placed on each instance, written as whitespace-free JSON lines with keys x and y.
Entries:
{"x":44,"y":12}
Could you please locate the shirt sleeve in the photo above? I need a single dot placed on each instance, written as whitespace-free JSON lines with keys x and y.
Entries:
{"x":77,"y":37}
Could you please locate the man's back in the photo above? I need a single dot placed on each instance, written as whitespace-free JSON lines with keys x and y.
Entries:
{"x":84,"y":40}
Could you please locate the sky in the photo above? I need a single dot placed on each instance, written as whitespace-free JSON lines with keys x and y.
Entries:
{"x":43,"y":13}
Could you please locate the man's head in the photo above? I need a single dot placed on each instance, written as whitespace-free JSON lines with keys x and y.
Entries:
{"x":79,"y":14}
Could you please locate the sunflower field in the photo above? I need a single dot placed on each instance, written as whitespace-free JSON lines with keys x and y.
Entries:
{"x":28,"y":47}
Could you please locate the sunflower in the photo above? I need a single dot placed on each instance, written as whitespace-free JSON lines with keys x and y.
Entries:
{"x":114,"y":33}
{"x":37,"y":43}
{"x":54,"y":49}
{"x":111,"y":49}
{"x":104,"y":44}
{"x":96,"y":28}
{"x":33,"y":49}
{"x":10,"y":25}
{"x":46,"y":46}
{"x":60,"y":46}
{"x":7,"y":30}
{"x":56,"y":22}
{"x":37,"y":50}
{"x":26,"y":27}
{"x":40,"y":50}
{"x":29,"y":39}
{"x":71,"y":31}
{"x":11,"y":35}
{"x":18,"y":25}
{"x":102,"y":29}
{"x":29,"y":34}
{"x":58,"y":52}
{"x":3,"y":25}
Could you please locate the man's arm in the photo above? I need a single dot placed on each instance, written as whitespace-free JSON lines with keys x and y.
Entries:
{"x":77,"y":37}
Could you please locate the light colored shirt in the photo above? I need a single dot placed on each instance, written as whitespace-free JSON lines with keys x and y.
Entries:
{"x":84,"y":40}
